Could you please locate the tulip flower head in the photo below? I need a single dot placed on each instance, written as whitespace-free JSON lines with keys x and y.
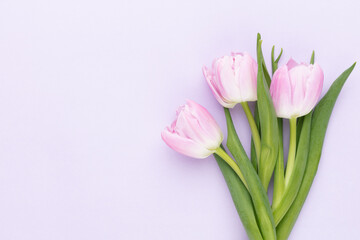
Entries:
{"x":232,"y":79}
{"x":194,"y":132}
{"x":296,"y":88}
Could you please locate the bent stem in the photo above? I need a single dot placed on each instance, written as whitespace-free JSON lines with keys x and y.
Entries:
{"x":231,"y":163}
{"x":292,"y":151}
{"x":254,"y":129}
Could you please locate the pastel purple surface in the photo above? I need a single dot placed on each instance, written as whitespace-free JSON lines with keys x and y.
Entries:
{"x":86,"y":87}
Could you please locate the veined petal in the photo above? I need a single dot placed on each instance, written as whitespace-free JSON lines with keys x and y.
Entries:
{"x":207,"y":124}
{"x":280,"y":91}
{"x":183,"y":145}
{"x":215,"y":88}
{"x":246,"y":77}
{"x":314,"y":87}
{"x":225,"y":73}
{"x":194,"y":132}
{"x":298,"y":79}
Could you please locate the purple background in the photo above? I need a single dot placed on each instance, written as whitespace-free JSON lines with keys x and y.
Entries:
{"x":87,"y":86}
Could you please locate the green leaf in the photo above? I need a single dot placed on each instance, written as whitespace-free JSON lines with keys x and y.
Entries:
{"x":266,"y":74}
{"x":320,"y":120}
{"x":257,"y":192}
{"x":241,"y":199}
{"x":268,"y":124}
{"x":253,"y":156}
{"x":264,"y":68}
{"x":298,"y":172}
{"x":312,"y":59}
{"x":279,"y":178}
{"x":274,"y":63}
{"x":299,"y":125}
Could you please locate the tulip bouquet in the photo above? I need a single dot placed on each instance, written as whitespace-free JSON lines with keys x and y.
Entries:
{"x":291,"y":92}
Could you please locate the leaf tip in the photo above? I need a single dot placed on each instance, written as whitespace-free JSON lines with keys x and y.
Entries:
{"x":351,"y":68}
{"x":312,"y":59}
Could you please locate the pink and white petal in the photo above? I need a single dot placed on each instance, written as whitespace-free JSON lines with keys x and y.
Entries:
{"x":225,"y":74}
{"x":291,"y":64}
{"x":209,"y":127}
{"x":255,"y":73}
{"x":299,"y":76}
{"x":187,"y":126}
{"x":246,"y":78}
{"x":184,"y":145}
{"x":280,"y":90}
{"x":313,"y":88}
{"x":215,"y":88}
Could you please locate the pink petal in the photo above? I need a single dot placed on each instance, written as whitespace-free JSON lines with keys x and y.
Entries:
{"x":207,"y":125}
{"x":291,"y":64}
{"x":225,"y":73}
{"x":314,"y":87}
{"x":280,"y":90}
{"x":298,"y":78}
{"x":246,"y":78}
{"x":184,"y":145}
{"x":215,"y":88}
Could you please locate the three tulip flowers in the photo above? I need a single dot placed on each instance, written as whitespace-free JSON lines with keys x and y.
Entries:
{"x":291,"y":93}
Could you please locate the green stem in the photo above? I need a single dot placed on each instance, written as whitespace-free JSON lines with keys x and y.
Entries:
{"x":292,"y":151}
{"x":298,"y":172}
{"x":279,"y":179}
{"x":254,"y":129}
{"x":231,"y":163}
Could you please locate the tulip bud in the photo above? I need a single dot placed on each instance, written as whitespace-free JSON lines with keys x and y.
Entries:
{"x":194,"y":132}
{"x":232,"y":79}
{"x":296,"y":88}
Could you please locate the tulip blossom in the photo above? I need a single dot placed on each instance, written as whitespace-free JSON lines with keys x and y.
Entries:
{"x":296,"y":88}
{"x":232,"y":79}
{"x":194,"y":132}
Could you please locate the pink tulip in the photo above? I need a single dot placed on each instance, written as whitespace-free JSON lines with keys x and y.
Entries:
{"x":296,"y":88}
{"x":232,"y":79}
{"x":194,"y":132}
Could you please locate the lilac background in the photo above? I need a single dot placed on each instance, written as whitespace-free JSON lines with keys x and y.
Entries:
{"x":87,"y":86}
